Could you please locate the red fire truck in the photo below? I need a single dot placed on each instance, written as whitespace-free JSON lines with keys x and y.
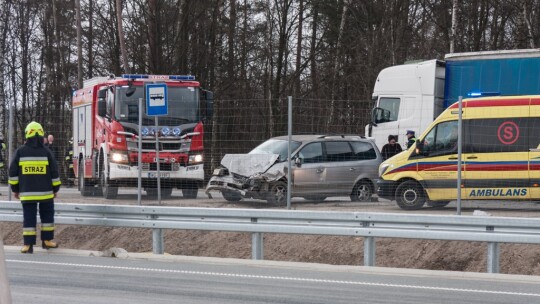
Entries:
{"x":106,"y":134}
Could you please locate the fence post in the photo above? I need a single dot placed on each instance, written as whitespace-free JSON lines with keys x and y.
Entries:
{"x":369,"y":251}
{"x":5,"y":294}
{"x":257,"y":246}
{"x":493,"y":257}
{"x":157,"y":241}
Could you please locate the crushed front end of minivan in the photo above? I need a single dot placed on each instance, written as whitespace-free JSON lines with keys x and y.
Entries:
{"x":247,"y":176}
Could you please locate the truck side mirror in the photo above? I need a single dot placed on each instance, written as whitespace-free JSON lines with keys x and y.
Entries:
{"x":102,"y":103}
{"x":208,"y":99}
{"x":131,"y":89}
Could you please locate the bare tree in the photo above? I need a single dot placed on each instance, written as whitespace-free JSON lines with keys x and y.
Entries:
{"x":121,"y":36}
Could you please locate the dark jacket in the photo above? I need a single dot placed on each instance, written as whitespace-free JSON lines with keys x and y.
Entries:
{"x":411,"y":142}
{"x":33,"y":172}
{"x":389,"y":150}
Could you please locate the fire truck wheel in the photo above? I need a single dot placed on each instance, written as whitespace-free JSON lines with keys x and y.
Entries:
{"x":83,"y":186}
{"x":190,"y":191}
{"x":109,"y":191}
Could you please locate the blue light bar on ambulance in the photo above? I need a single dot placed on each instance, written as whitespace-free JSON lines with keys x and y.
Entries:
{"x":483,"y":94}
{"x":158,"y":77}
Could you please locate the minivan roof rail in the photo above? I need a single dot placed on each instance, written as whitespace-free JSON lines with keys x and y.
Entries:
{"x":341,"y":135}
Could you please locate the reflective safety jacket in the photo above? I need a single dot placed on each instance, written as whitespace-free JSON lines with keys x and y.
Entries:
{"x":33,"y":172}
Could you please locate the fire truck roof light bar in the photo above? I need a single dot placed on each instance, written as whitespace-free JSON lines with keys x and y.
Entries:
{"x":158,"y":77}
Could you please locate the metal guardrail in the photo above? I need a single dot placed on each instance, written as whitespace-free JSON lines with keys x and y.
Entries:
{"x":493,"y":230}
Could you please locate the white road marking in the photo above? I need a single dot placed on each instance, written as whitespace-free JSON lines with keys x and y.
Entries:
{"x":279,"y":278}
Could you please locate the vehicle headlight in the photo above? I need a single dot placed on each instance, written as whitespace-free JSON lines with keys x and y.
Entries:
{"x":119,"y":157}
{"x":176,"y":131}
{"x":383,"y":167}
{"x":195,"y":159}
{"x":165,"y":131}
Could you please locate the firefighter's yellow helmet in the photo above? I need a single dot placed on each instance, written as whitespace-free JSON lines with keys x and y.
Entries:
{"x":33,"y":129}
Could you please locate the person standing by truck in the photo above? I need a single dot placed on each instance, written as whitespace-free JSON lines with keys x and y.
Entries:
{"x":391,"y":148}
{"x":411,"y":138}
{"x":34,"y":179}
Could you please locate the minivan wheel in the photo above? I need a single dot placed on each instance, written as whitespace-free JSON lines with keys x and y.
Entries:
{"x":410,"y":195}
{"x":277,"y":195}
{"x":362,"y":192}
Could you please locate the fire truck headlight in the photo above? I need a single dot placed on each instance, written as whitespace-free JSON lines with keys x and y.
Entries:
{"x":195,"y":159}
{"x":145,"y":131}
{"x":176,"y":131}
{"x":165,"y":131}
{"x":119,"y":157}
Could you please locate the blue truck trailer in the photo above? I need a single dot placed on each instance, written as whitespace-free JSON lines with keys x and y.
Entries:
{"x":411,"y":96}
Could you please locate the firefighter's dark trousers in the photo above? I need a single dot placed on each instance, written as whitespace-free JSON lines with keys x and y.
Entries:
{"x":46,"y":214}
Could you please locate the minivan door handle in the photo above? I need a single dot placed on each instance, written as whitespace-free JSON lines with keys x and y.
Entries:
{"x":472,"y":157}
{"x":452,"y":157}
{"x":319,"y":170}
{"x":352,"y":169}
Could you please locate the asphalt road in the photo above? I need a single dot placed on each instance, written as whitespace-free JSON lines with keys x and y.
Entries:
{"x":52,"y":278}
{"x":128,"y":196}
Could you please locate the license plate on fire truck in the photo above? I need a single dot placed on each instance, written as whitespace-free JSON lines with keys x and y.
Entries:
{"x":161,"y":174}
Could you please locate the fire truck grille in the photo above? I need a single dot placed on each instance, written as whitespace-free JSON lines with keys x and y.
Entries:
{"x":162,"y":146}
{"x":162,"y":167}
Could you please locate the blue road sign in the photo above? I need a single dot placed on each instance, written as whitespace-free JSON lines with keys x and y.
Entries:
{"x":156,"y":99}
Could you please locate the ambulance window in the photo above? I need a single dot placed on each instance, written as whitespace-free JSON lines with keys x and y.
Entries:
{"x":442,"y":139}
{"x":498,"y":135}
{"x":390,"y":109}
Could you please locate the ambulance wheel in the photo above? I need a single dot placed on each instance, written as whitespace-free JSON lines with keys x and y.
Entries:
{"x":277,"y":196}
{"x":362,"y":192}
{"x":83,"y":186}
{"x":437,"y":204}
{"x":109,"y":191}
{"x":231,"y":196}
{"x":410,"y":195}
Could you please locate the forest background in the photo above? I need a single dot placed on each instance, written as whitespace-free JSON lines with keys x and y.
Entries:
{"x":251,"y":53}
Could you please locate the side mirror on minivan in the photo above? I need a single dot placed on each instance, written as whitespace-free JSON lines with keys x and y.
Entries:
{"x":298,"y":162}
{"x":419,"y":147}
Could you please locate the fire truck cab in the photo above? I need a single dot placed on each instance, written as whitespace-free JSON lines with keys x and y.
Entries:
{"x":106,"y":133}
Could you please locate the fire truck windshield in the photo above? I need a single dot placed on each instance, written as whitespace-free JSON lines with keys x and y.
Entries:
{"x":183,"y":106}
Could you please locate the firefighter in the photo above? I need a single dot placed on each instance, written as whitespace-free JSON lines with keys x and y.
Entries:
{"x":34,"y":179}
{"x":69,"y":163}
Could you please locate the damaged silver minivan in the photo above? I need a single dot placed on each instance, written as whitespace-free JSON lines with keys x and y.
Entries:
{"x":323,"y":166}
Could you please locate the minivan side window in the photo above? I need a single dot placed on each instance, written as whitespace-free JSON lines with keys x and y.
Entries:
{"x":337,"y":151}
{"x":363,"y":150}
{"x":312,"y":153}
{"x":442,"y":139}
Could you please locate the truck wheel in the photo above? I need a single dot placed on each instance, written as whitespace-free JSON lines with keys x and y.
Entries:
{"x":410,"y":195}
{"x":82,"y":184}
{"x":231,"y":196}
{"x":362,"y":192}
{"x":109,"y":191}
{"x":277,"y":195}
{"x":190,"y":191}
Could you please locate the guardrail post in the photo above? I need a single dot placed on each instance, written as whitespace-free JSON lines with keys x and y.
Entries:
{"x":5,"y":293}
{"x":493,"y":257}
{"x":157,"y":241}
{"x":257,"y":246}
{"x":369,"y":251}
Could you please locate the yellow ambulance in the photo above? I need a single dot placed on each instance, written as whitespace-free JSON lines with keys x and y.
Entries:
{"x":500,"y":156}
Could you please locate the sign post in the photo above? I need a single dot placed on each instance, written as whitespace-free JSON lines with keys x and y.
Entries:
{"x":156,"y":105}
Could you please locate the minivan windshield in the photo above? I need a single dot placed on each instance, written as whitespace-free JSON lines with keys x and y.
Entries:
{"x":275,"y":146}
